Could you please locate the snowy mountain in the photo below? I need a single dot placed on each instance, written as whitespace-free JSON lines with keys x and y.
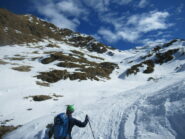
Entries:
{"x":131,"y":94}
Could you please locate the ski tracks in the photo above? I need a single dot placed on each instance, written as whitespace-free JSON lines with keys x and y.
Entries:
{"x":110,"y":117}
{"x":134,"y":114}
{"x":137,"y":115}
{"x":159,"y":115}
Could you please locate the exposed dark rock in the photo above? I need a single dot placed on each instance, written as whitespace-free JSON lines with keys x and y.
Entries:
{"x":100,"y":58}
{"x":150,"y":79}
{"x":17,"y":29}
{"x":20,"y":58}
{"x":77,"y":52}
{"x":129,"y":62}
{"x":156,"y":49}
{"x":96,"y":71}
{"x":39,"y":97}
{"x":35,"y":52}
{"x":70,"y":65}
{"x":135,"y":68}
{"x":102,"y":70}
{"x":22,"y":68}
{"x":42,"y":83}
{"x":80,"y":76}
{"x":5,"y":121}
{"x":56,"y":75}
{"x":80,"y":41}
{"x":5,"y":129}
{"x":169,"y":43}
{"x":53,"y":76}
{"x":159,"y":58}
{"x":93,"y":72}
{"x":66,"y":32}
{"x":110,"y":53}
{"x":97,"y":47}
{"x":150,"y":66}
{"x":52,"y":45}
{"x":3,"y":62}
{"x":108,"y":66}
{"x":48,"y":60}
{"x":65,"y":58}
{"x":165,"y":57}
{"x":87,"y":42}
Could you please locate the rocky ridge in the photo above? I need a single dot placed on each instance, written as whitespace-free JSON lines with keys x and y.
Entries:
{"x":19,"y":29}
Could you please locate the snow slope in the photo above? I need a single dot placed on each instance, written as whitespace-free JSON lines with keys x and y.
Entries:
{"x":120,"y":108}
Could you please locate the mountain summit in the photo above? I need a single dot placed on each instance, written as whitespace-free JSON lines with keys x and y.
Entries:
{"x":18,"y":29}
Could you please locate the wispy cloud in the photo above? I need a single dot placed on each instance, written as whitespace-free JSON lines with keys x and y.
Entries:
{"x":129,"y":34}
{"x":153,"y":42}
{"x":148,"y":22}
{"x":135,"y":26}
{"x":104,"y":5}
{"x":114,"y":26}
{"x":180,"y":8}
{"x":108,"y":35}
{"x":64,"y":14}
{"x":70,"y":8}
{"x":142,"y":3}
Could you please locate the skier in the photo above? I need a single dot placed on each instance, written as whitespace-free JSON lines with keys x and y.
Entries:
{"x":64,"y":122}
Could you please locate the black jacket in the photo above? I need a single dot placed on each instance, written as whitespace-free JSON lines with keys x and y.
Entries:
{"x":73,"y":121}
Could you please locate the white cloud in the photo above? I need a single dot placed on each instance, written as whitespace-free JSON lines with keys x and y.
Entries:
{"x":99,"y":6}
{"x":70,"y":13}
{"x":126,"y":34}
{"x":129,"y":35}
{"x":59,"y":13}
{"x":102,"y":6}
{"x":142,"y":3}
{"x":153,"y":42}
{"x":70,"y":8}
{"x":152,"y":21}
{"x":134,"y":27}
{"x":56,"y":17}
{"x":108,"y":35}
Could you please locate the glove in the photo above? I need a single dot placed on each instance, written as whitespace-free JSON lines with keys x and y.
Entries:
{"x":87,"y":118}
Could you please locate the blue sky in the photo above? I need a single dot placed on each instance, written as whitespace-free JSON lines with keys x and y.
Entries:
{"x":122,"y":24}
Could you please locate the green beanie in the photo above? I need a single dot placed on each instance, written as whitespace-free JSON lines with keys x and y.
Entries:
{"x":70,"y":108}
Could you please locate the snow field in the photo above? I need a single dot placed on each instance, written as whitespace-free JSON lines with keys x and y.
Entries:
{"x":120,"y":108}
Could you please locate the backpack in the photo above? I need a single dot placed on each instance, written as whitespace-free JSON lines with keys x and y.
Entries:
{"x":61,"y":123}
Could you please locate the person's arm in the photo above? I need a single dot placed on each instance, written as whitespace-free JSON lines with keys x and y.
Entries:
{"x":81,"y":124}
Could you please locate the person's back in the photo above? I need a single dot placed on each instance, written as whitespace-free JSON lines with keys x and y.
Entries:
{"x":60,"y":128}
{"x":64,"y":122}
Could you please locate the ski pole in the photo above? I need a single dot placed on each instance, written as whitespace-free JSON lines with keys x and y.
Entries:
{"x":91,"y":129}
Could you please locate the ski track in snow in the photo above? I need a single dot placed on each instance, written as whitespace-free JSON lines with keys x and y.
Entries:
{"x":119,"y":109}
{"x":141,"y":117}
